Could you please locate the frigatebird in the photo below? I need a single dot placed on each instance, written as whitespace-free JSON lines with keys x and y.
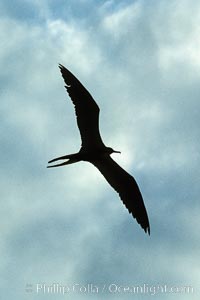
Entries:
{"x":94,"y":151}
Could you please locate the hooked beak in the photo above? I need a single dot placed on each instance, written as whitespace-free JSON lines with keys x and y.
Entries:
{"x":117,"y":151}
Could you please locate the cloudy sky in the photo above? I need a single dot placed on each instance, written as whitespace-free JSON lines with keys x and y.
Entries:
{"x":66,"y":227}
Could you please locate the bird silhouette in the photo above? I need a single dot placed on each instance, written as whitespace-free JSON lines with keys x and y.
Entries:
{"x":94,"y":151}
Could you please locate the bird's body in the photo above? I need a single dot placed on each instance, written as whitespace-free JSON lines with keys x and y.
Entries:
{"x":94,"y":151}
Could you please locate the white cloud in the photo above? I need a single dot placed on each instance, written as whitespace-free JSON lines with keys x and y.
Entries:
{"x":122,"y":21}
{"x":179,"y":41}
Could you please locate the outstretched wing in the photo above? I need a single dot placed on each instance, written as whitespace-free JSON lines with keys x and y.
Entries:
{"x":127,"y":188}
{"x":87,"y":111}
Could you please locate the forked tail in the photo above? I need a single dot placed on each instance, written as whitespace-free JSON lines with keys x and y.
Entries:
{"x":71,"y":158}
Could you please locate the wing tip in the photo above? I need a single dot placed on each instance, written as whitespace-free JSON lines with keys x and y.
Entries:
{"x":146,"y":227}
{"x":143,"y":223}
{"x":66,"y":74}
{"x":147,"y":230}
{"x":60,"y":66}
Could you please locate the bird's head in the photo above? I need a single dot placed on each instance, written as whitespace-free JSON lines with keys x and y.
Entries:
{"x":110,"y":150}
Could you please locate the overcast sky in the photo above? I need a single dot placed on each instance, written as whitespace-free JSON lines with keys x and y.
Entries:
{"x":141,"y":62}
